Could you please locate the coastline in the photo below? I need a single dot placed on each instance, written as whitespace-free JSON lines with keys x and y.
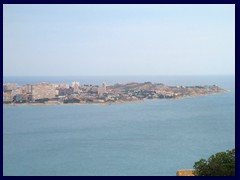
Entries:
{"x":71,"y":104}
{"x":107,"y":103}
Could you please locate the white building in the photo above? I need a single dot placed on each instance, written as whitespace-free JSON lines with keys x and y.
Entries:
{"x":75,"y":86}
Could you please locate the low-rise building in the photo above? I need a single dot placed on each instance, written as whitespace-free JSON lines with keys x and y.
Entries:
{"x":65,"y":91}
{"x":10,"y":86}
{"x":4,"y":87}
{"x":187,"y":172}
{"x":28,"y":97}
{"x":19,"y":98}
{"x":7,"y":97}
{"x":16,"y":91}
{"x":63,"y":86}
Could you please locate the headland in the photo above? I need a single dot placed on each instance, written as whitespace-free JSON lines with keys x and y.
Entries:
{"x":56,"y":94}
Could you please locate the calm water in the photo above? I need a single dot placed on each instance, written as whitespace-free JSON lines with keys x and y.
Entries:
{"x":155,"y":137}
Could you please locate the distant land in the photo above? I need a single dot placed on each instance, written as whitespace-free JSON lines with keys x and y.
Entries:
{"x":45,"y":93}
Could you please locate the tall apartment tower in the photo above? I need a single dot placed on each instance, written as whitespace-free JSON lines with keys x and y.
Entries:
{"x":28,"y":88}
{"x":75,"y":86}
{"x":104,"y":88}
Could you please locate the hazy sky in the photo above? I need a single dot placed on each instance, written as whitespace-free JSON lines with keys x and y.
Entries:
{"x":118,"y":40}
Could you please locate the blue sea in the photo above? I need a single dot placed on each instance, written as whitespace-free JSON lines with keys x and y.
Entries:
{"x":154,"y":137}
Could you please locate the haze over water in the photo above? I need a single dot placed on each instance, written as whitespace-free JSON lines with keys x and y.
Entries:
{"x":154,"y":137}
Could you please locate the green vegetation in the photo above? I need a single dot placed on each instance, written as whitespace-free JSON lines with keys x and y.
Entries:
{"x":42,"y":100}
{"x":71,"y":101}
{"x":7,"y":102}
{"x":219,"y":164}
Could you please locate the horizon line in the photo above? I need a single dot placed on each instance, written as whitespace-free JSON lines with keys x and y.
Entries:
{"x":118,"y":75}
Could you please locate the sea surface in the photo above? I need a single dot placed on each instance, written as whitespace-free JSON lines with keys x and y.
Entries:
{"x":154,"y":137}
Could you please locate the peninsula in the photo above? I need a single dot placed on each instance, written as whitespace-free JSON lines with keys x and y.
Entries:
{"x":46,"y":93}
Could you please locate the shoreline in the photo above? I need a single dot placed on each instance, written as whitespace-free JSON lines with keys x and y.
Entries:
{"x":107,"y":103}
{"x":78,"y":104}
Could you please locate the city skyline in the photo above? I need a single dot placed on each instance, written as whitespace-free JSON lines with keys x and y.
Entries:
{"x":101,"y":40}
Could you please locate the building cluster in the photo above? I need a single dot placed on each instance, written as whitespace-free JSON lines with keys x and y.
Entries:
{"x":46,"y":93}
{"x":63,"y":93}
{"x":14,"y":93}
{"x":30,"y":93}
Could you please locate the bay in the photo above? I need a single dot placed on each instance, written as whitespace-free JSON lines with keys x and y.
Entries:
{"x":154,"y":137}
